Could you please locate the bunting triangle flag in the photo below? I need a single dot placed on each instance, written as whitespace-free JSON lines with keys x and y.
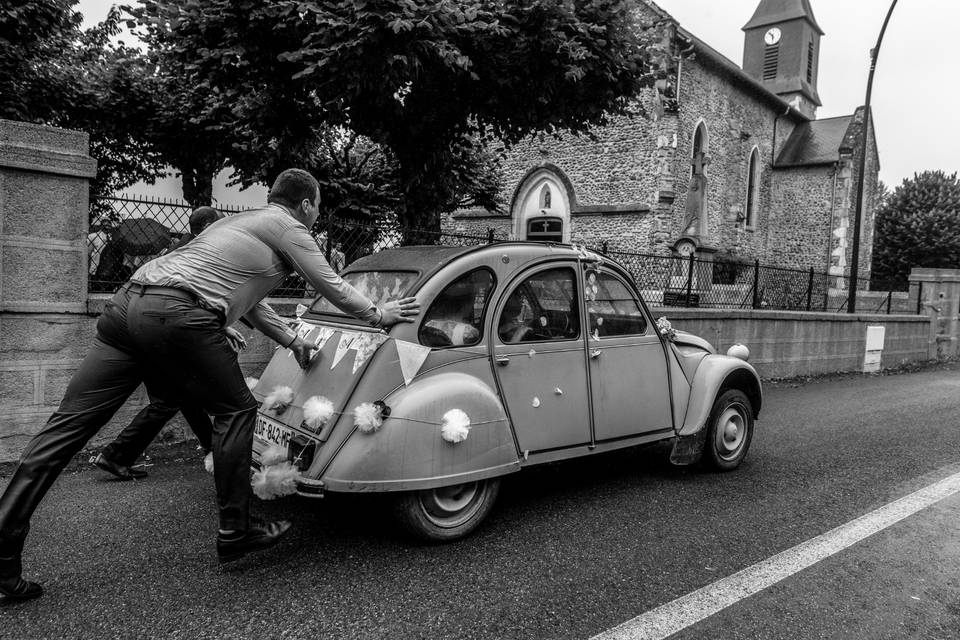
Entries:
{"x":411,"y":359}
{"x":346,"y":341}
{"x":366,"y":344}
{"x":304,"y":329}
{"x":320,"y":340}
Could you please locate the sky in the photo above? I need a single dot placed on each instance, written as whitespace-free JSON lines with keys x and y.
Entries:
{"x":914,"y":99}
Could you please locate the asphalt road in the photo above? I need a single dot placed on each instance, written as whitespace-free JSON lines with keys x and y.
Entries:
{"x":570,"y":551}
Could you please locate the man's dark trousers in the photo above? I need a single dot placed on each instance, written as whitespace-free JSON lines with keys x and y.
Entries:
{"x":147,"y":424}
{"x":146,"y":334}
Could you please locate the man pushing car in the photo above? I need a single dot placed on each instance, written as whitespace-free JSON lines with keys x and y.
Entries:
{"x":167,"y":327}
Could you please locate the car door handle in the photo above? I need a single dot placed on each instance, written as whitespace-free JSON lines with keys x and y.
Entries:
{"x":595,"y":353}
{"x":502,"y":360}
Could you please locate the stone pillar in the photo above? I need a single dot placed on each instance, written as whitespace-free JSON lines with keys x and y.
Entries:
{"x":44,"y":176}
{"x":44,"y":326}
{"x":940,"y":298}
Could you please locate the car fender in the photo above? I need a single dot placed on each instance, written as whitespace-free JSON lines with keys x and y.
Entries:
{"x":408,"y":451}
{"x":717,"y":372}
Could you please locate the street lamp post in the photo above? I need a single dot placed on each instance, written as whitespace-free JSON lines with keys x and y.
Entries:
{"x":864,"y":138}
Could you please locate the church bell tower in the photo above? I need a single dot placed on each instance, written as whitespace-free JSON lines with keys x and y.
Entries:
{"x":781,"y":49}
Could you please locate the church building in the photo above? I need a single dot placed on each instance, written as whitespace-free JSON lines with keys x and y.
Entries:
{"x":733,"y":163}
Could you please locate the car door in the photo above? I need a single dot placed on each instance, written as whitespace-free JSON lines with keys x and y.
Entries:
{"x":539,"y":358}
{"x":629,"y":383}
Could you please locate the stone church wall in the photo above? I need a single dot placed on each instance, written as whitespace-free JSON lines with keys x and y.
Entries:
{"x":736,"y":122}
{"x":800,"y":210}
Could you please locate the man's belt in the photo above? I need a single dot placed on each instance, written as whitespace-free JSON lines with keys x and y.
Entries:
{"x":141,"y":289}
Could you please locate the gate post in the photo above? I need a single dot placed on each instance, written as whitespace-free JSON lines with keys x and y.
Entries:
{"x":940,"y":289}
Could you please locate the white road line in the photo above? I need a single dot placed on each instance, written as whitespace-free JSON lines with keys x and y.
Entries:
{"x":687,"y":610}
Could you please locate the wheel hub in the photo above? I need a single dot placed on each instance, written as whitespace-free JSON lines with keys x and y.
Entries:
{"x":731,"y":431}
{"x":451,"y":506}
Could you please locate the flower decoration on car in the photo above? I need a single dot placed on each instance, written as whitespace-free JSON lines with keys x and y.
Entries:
{"x":666,"y":329}
{"x":368,"y":416}
{"x":279,"y":399}
{"x":455,"y":427}
{"x":317,"y":410}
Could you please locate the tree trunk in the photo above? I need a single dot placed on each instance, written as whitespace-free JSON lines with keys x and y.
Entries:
{"x":197,"y":185}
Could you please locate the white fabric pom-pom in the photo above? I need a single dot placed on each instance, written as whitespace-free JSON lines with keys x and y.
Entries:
{"x":278,"y":399}
{"x":367,"y":417}
{"x":316,"y":411}
{"x":456,"y":426}
{"x":275,"y":481}
{"x":208,"y":462}
{"x":251,"y":382}
{"x":273,"y":455}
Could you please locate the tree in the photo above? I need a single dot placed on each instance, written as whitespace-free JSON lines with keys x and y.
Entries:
{"x":433,"y":81}
{"x":32,"y":35}
{"x":918,"y":225}
{"x":54,"y":73}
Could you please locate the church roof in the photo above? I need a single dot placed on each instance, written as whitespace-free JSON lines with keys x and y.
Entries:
{"x":818,"y":142}
{"x":733,"y":71}
{"x":776,"y":11}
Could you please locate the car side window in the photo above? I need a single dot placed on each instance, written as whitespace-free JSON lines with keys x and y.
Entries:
{"x":456,"y":316}
{"x":613,"y":309}
{"x":543,"y":307}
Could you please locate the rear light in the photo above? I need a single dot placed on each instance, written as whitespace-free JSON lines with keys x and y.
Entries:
{"x":301,"y":451}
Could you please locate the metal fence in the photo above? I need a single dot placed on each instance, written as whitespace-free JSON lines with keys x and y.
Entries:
{"x":672,"y":281}
{"x":135,"y":231}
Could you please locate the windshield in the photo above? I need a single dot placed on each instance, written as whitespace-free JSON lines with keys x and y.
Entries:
{"x":379,"y":286}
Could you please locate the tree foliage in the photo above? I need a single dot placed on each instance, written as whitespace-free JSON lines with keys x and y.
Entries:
{"x":918,"y":225}
{"x":428,"y":82}
{"x":53,"y":72}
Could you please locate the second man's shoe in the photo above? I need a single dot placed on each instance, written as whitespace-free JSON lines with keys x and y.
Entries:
{"x":120,"y":471}
{"x":260,"y":535}
{"x":17,"y":588}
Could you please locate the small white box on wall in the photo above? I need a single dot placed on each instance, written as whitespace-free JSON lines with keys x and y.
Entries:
{"x":874,"y":349}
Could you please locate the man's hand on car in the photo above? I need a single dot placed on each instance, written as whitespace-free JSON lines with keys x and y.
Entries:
{"x":303,"y":351}
{"x":403,"y":310}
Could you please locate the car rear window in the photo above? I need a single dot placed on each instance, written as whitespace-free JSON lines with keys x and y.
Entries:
{"x":379,"y":286}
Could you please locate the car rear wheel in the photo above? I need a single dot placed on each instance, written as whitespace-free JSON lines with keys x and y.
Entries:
{"x":730,"y":430}
{"x":446,"y":513}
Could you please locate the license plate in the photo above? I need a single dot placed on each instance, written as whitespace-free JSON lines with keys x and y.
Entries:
{"x":272,"y":432}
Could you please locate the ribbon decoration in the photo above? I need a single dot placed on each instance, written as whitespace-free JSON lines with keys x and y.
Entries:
{"x":412,"y":356}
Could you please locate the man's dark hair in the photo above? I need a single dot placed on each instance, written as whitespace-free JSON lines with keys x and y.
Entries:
{"x":201,"y":218}
{"x":292,"y":187}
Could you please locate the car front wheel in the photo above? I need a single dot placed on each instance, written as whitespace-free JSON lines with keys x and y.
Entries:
{"x":730,"y":430}
{"x":446,"y":513}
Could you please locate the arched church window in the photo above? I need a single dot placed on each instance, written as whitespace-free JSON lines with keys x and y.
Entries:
{"x":694,"y":221}
{"x":545,"y":197}
{"x":753,"y":189}
{"x":699,"y":149}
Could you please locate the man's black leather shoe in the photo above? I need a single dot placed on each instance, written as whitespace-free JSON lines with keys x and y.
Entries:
{"x":121,"y":471}
{"x":19,"y":589}
{"x":260,"y":535}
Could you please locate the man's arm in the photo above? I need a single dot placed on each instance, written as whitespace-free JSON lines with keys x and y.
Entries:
{"x":263,"y":318}
{"x":301,"y":251}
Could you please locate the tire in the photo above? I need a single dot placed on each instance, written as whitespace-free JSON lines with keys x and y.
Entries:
{"x":445,"y":514}
{"x":730,"y":431}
